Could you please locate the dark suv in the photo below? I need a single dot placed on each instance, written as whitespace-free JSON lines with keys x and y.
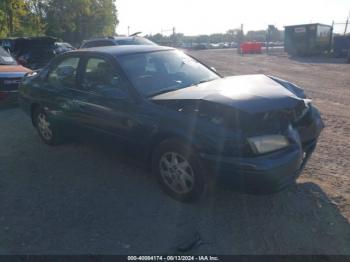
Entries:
{"x":113,"y":41}
{"x":35,"y":52}
{"x":254,"y":131}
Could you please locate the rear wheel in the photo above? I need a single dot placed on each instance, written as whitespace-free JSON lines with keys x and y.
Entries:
{"x":47,"y":130}
{"x":179,"y":171}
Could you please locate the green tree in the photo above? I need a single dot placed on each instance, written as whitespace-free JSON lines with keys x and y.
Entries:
{"x":19,"y":18}
{"x":75,"y":20}
{"x":259,"y":36}
{"x":275,"y":34}
{"x":11,"y":16}
{"x":37,"y":16}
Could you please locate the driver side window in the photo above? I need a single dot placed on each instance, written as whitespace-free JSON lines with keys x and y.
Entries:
{"x":65,"y":73}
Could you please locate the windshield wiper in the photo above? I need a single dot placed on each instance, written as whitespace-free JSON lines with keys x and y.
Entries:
{"x":205,"y":81}
{"x":163,"y":91}
{"x":202,"y":82}
{"x":174,"y":89}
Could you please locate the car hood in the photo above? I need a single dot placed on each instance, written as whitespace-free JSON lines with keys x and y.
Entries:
{"x":13,"y":71}
{"x":248,"y":93}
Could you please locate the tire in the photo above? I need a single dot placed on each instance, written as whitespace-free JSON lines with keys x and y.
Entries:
{"x":47,"y":130}
{"x":179,"y":171}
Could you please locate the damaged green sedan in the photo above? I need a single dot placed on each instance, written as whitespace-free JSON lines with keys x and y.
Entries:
{"x":194,"y":126}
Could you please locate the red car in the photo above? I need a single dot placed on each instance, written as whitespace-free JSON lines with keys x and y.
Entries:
{"x":10,"y":76}
{"x":251,"y":48}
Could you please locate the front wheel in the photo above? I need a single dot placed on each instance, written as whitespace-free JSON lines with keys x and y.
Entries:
{"x":179,"y":171}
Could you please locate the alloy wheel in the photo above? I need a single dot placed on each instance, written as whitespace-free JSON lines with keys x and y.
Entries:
{"x":44,"y":127}
{"x":176,"y":172}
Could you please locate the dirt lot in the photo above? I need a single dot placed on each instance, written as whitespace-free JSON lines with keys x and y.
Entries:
{"x":327,"y":82}
{"x":88,"y":198}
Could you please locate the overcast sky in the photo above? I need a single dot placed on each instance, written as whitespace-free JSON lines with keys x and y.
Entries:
{"x":194,"y":17}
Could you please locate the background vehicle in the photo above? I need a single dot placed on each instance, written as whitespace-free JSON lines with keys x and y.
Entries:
{"x":119,"y":40}
{"x":255,"y":131}
{"x":62,"y":47}
{"x":35,"y":52}
{"x":10,"y":76}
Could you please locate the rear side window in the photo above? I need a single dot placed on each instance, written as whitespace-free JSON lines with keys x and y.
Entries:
{"x":126,"y":42}
{"x":143,"y":41}
{"x":99,"y":43}
{"x":100,"y":75}
{"x":64,"y":74}
{"x":135,"y":41}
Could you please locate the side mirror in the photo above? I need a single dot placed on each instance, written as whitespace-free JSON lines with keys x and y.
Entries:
{"x":213,"y":68}
{"x":65,"y":72}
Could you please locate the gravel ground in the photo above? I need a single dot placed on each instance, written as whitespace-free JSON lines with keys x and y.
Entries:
{"x":89,"y":198}
{"x":327,"y":82}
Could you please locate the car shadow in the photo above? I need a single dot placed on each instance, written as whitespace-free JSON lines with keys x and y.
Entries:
{"x":299,"y":220}
{"x":319,"y":60}
{"x":92,"y":198}
{"x":5,"y":105}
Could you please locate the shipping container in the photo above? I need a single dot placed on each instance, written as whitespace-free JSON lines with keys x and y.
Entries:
{"x":307,"y":39}
{"x":341,"y":46}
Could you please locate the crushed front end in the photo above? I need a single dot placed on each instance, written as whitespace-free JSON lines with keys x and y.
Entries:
{"x":258,"y":172}
{"x":255,"y":131}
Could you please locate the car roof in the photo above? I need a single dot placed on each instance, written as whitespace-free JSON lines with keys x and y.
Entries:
{"x":125,"y":49}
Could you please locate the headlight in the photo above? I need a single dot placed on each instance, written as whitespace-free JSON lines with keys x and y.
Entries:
{"x":265,"y":144}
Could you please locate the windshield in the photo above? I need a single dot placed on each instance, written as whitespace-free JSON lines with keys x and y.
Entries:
{"x":5,"y":58}
{"x":159,"y":72}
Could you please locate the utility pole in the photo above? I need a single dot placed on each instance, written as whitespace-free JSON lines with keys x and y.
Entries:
{"x":240,"y":40}
{"x":331,"y":38}
{"x":174,"y":36}
{"x":346,"y":24}
{"x":268,"y":38}
{"x":171,"y":37}
{"x":128,"y":30}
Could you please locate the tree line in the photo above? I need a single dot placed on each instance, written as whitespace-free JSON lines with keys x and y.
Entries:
{"x":68,"y":20}
{"x":233,"y":35}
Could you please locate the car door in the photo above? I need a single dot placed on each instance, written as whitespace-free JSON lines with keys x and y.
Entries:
{"x":104,"y":100}
{"x":56,"y":93}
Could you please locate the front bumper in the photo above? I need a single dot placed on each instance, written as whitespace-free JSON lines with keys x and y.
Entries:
{"x":271,"y":172}
{"x":263,"y":174}
{"x":8,"y":97}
